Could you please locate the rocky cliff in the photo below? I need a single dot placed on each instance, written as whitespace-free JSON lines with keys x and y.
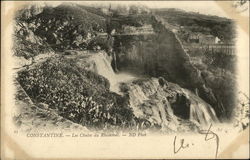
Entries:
{"x":162,"y":54}
{"x":66,"y":26}
{"x":167,"y":104}
{"x":156,"y":86}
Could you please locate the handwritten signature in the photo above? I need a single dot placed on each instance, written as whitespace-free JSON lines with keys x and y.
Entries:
{"x":209,"y":135}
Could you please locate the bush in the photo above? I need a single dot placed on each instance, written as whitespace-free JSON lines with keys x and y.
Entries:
{"x":76,"y":94}
{"x":27,"y":49}
{"x":221,"y":60}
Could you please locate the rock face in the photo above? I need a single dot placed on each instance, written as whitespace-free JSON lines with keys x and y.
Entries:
{"x":179,"y":94}
{"x":63,"y":27}
{"x":160,"y":54}
{"x":163,"y":55}
{"x":67,"y":26}
{"x":30,"y":11}
{"x":164,"y":104}
{"x":27,"y":44}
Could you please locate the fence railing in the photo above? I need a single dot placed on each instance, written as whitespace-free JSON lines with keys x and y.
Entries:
{"x":228,"y":49}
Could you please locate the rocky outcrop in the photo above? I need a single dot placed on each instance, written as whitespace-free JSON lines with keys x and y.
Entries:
{"x":63,"y":27}
{"x":67,"y":26}
{"x":30,"y":11}
{"x":28,"y":45}
{"x":83,"y":87}
{"x":162,"y":103}
{"x":166,"y":104}
{"x":159,"y":54}
{"x":163,"y":55}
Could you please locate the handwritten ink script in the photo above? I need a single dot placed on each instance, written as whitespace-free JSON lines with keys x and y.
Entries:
{"x":179,"y":144}
{"x":209,"y":135}
{"x":182,"y":145}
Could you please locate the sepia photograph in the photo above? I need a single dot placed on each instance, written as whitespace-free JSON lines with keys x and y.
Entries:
{"x":125,"y":79}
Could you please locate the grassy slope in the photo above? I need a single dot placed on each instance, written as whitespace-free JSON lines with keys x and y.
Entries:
{"x":217,"y":26}
{"x":54,"y":28}
{"x":62,"y":26}
{"x":30,"y":118}
{"x":76,"y":94}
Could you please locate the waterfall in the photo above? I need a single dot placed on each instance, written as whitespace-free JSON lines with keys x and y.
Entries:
{"x":150,"y":100}
{"x":102,"y":66}
{"x":200,"y":111}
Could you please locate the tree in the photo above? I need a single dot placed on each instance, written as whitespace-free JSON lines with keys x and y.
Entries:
{"x":133,"y":9}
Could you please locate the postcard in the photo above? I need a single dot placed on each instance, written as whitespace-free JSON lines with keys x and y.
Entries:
{"x":124,"y":79}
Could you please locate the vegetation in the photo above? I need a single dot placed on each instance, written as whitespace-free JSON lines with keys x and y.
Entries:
{"x":220,"y":60}
{"x":118,"y":21}
{"x":27,"y":49}
{"x":195,"y":22}
{"x":65,"y":26}
{"x":76,"y":94}
{"x":83,"y":96}
{"x":214,"y":59}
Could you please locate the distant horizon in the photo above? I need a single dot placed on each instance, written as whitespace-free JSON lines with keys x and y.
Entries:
{"x":195,"y":12}
{"x":211,"y":8}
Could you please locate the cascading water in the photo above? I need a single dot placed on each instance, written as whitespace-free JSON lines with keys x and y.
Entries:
{"x":150,"y":100}
{"x":156,"y":103}
{"x":200,"y":111}
{"x":102,"y":66}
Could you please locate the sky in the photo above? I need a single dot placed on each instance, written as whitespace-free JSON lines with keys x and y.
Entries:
{"x":203,"y":7}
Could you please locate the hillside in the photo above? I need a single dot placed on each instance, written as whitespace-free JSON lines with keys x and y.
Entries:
{"x":195,"y":22}
{"x":105,"y":74}
{"x":66,"y":26}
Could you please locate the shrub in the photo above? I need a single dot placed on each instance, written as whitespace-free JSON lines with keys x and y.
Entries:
{"x":221,"y":60}
{"x":76,"y":94}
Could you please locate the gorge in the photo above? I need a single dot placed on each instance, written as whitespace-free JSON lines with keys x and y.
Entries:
{"x":102,"y":78}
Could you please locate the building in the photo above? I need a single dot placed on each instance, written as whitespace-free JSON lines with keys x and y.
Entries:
{"x":136,"y":30}
{"x":194,"y":38}
{"x":203,"y":39}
